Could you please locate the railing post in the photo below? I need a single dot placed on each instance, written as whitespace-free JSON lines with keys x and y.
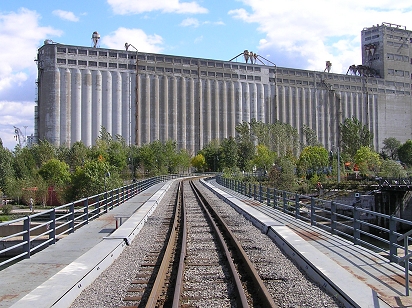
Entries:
{"x":254,"y":192}
{"x":392,"y":240}
{"x":71,"y":221}
{"x":296,"y":206}
{"x":105,"y":201}
{"x":312,"y":212}
{"x":97,"y":206}
{"x":52,"y":226}
{"x":26,"y":236}
{"x":275,"y":198}
{"x":268,"y":196}
{"x":333,"y":217}
{"x":86,"y":210}
{"x":250,"y":189}
{"x":406,"y":249}
{"x":356,"y":225}
{"x":284,"y":202}
{"x":260,"y":192}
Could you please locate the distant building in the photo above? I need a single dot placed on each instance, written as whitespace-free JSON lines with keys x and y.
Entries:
{"x":193,"y":101}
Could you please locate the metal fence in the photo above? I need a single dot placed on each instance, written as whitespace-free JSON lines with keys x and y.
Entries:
{"x":51,"y":225}
{"x":374,"y":230}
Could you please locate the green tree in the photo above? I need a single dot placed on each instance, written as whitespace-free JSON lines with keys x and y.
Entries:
{"x":354,"y":136}
{"x":390,"y":147}
{"x":282,"y":174}
{"x":368,"y":161}
{"x":184,"y":160}
{"x":199,"y":162}
{"x":310,"y":136}
{"x":229,"y":153}
{"x":43,"y":151}
{"x":392,"y":169}
{"x":145,"y":160}
{"x":6,"y":166}
{"x":56,"y":174}
{"x":94,"y":177}
{"x":405,"y":153}
{"x":78,"y":155}
{"x":313,"y":160}
{"x":245,"y":145}
{"x":212,"y":154}
{"x":24,"y":163}
{"x":264,"y":158}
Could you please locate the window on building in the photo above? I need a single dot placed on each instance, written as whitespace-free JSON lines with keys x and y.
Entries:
{"x":72,"y":62}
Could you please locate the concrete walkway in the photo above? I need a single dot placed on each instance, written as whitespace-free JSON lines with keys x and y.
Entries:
{"x":51,"y":273}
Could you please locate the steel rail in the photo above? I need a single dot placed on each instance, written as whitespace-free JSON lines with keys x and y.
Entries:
{"x":161,"y":277}
{"x":182,"y":258}
{"x":239,"y":288}
{"x":263,"y":294}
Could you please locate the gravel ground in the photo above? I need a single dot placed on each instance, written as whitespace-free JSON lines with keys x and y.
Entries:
{"x":110,"y":287}
{"x":288,"y":286}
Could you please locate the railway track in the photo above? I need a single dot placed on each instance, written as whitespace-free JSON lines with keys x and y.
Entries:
{"x":193,"y":271}
{"x":202,"y":265}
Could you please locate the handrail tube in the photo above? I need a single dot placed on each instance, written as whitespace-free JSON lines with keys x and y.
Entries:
{"x":283,"y":201}
{"x":13,"y":258}
{"x":13,"y":247}
{"x":40,"y":245}
{"x":40,"y":235}
{"x":40,"y":225}
{"x":69,"y":220}
{"x":13,"y":235}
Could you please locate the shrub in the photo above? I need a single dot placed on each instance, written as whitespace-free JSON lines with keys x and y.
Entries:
{"x":6,"y":209}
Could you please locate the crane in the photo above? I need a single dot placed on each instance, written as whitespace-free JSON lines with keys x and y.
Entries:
{"x":18,"y":135}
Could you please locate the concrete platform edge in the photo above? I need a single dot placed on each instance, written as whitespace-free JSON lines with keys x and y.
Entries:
{"x":79,"y":274}
{"x":324,"y":271}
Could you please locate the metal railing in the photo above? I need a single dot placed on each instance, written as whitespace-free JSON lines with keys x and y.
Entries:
{"x":37,"y":231}
{"x":374,"y":230}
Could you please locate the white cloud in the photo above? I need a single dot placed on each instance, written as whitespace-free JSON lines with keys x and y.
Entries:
{"x":136,"y":37}
{"x":66,"y":15}
{"x":19,"y":114}
{"x":21,"y":32}
{"x":193,"y":22}
{"x":124,"y":7}
{"x":190,"y":22}
{"x":198,"y":39}
{"x":311,"y":32}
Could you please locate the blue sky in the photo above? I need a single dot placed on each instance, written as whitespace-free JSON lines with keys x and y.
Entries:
{"x":296,"y":33}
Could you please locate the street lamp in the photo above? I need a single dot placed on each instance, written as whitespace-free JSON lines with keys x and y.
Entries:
{"x":127,"y":45}
{"x":338,"y":167}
